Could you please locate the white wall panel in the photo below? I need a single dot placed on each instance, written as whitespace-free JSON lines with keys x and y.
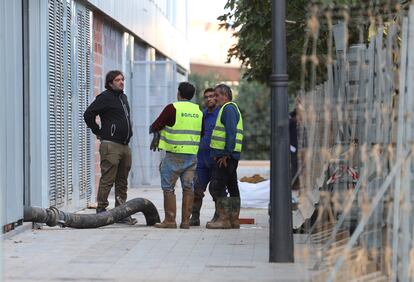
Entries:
{"x":3,"y":142}
{"x":39,"y":177}
{"x":11,"y":133}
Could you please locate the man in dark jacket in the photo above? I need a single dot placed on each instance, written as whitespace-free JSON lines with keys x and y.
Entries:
{"x":115,"y":132}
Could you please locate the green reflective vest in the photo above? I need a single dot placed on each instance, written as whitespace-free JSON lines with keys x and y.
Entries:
{"x":218,"y":137}
{"x":184,"y":136}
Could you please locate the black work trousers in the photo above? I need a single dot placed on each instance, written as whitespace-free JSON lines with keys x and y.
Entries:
{"x":224,"y":179}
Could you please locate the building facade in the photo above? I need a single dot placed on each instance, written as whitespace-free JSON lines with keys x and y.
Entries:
{"x":209,"y":45}
{"x":54,"y":55}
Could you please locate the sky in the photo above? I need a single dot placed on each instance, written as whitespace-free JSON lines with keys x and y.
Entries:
{"x":207,"y":10}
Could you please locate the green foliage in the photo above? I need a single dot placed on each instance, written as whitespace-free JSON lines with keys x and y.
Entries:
{"x":254,"y":103}
{"x":251,"y":20}
{"x":201,"y":83}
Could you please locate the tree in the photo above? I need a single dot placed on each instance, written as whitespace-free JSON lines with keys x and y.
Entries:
{"x":251,"y":22}
{"x":253,"y":99}
{"x":202,"y":82}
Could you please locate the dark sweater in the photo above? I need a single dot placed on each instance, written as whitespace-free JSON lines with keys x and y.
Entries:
{"x":113,"y":110}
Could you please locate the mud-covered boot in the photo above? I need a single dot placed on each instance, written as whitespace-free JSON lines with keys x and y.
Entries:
{"x":100,"y":210}
{"x":223,"y":210}
{"x":170,"y":211}
{"x":197,"y":203}
{"x":215,"y":216}
{"x":235,"y":212}
{"x":127,"y":220}
{"x":187,"y":205}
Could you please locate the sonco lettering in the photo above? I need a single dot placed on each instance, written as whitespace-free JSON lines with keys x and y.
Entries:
{"x":189,"y":115}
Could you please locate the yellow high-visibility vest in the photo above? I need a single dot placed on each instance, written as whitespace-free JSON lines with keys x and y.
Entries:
{"x":218,"y":137}
{"x":184,"y":136}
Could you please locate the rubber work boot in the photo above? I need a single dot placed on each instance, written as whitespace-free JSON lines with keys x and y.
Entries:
{"x":127,"y":220}
{"x":215,"y":216}
{"x":197,"y":203}
{"x":187,"y":204}
{"x":235,"y":212}
{"x":224,"y":211}
{"x":99,"y":210}
{"x":170,"y":210}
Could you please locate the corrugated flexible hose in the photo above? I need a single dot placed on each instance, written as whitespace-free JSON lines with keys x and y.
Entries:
{"x":52,"y":216}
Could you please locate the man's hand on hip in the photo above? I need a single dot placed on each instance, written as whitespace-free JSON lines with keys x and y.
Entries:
{"x":222,"y":161}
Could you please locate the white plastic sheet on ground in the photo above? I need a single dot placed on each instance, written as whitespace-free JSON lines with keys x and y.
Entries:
{"x":257,"y":195}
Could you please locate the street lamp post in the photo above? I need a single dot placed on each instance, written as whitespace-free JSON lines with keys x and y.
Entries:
{"x":280,"y":237}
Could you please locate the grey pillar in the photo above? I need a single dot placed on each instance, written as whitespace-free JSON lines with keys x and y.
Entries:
{"x":281,"y":238}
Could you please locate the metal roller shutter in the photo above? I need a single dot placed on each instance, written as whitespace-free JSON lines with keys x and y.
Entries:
{"x":69,"y":89}
{"x":83,"y":47}
{"x":69,"y":103}
{"x":56,"y":106}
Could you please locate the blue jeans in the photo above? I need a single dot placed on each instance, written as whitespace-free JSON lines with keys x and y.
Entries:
{"x":204,"y":167}
{"x":175,"y":166}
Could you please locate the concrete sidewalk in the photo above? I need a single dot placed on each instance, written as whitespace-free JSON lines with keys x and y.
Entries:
{"x":139,"y":253}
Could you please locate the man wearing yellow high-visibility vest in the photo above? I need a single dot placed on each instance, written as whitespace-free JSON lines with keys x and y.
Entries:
{"x":179,"y":127}
{"x":226,"y":146}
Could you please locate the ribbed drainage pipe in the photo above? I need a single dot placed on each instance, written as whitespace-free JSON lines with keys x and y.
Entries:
{"x":52,"y":216}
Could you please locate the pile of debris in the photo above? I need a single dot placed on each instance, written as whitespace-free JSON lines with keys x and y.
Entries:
{"x":256,"y":178}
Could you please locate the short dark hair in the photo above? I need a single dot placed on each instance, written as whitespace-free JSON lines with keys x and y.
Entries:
{"x":208,"y":90}
{"x":110,"y":76}
{"x":224,"y":89}
{"x":186,"y":90}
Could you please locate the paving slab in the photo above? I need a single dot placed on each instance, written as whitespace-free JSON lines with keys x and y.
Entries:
{"x":140,"y":253}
